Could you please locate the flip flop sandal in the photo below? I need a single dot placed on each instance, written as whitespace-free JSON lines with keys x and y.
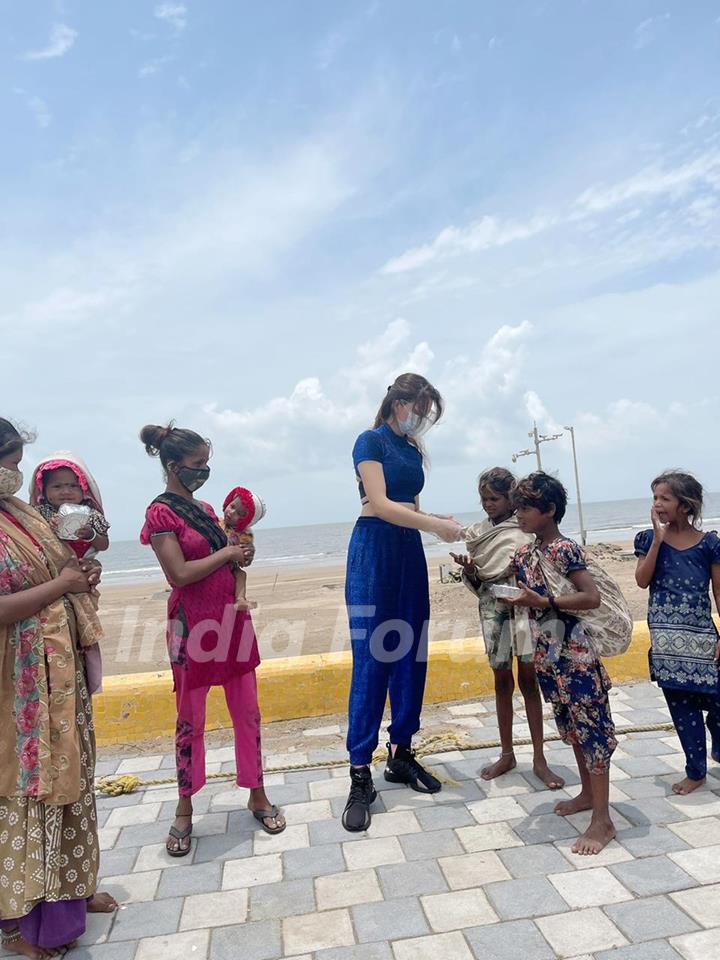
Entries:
{"x":263,"y":815}
{"x":179,"y":835}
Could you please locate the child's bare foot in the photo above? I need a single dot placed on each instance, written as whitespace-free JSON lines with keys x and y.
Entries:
{"x":686,"y":786}
{"x":25,"y":949}
{"x":542,"y":771}
{"x":102,"y":903}
{"x":596,"y":838}
{"x":566,"y":808}
{"x":245,"y":605}
{"x":505,"y":764}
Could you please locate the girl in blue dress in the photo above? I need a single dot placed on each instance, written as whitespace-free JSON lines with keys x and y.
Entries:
{"x":678,"y":562}
{"x":386,"y":591}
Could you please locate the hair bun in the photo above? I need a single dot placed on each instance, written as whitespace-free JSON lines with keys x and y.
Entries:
{"x":153,"y":436}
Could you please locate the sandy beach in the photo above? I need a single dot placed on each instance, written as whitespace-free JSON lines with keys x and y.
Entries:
{"x":301,"y":611}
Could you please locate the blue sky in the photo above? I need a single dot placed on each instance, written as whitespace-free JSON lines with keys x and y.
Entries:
{"x":250,"y":217}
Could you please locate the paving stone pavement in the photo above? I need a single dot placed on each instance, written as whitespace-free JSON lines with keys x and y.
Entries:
{"x":480,"y":870}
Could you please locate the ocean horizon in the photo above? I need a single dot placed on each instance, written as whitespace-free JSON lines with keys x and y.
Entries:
{"x":611,"y":521}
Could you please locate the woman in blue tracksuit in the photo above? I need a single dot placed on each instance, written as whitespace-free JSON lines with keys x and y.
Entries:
{"x":387,"y":592}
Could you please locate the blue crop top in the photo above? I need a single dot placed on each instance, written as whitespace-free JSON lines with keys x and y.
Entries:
{"x":401,"y":462}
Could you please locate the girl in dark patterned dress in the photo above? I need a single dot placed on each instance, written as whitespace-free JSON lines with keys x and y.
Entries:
{"x":678,"y":562}
{"x":569,"y":672}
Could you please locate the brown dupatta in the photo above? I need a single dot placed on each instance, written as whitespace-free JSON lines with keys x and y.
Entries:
{"x":39,"y":740}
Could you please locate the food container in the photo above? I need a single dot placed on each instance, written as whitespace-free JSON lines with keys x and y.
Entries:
{"x":71,"y":518}
{"x":502,"y":592}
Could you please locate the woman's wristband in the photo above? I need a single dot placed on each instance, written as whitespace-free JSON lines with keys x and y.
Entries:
{"x":552,"y":604}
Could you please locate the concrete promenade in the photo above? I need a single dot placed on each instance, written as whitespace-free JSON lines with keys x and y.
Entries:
{"x":481,"y":870}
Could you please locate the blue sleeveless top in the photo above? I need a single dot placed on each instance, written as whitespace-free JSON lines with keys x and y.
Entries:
{"x":401,"y":462}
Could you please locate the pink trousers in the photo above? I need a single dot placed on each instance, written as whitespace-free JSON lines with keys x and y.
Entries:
{"x":241,"y":699}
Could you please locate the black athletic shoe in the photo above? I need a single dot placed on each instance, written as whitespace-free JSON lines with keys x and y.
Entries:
{"x":356,"y":815}
{"x":404,"y":768}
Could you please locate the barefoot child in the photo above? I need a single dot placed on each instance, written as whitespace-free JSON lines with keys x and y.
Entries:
{"x":242,"y":509}
{"x":677,"y":561}
{"x":491,"y":545}
{"x":569,"y":672}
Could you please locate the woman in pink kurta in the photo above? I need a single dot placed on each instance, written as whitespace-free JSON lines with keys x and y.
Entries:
{"x":210,"y":642}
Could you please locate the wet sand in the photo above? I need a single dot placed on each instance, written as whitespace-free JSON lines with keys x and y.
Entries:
{"x":301,"y":611}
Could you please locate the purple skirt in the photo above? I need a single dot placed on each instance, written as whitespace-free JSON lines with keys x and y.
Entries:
{"x":51,"y":924}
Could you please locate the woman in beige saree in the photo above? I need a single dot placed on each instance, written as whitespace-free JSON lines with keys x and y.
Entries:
{"x":48,"y":827}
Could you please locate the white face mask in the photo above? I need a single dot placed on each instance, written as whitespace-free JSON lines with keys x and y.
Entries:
{"x":414,"y":425}
{"x":10,"y":482}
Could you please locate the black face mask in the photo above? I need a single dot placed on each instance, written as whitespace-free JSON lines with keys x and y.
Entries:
{"x":191,"y":479}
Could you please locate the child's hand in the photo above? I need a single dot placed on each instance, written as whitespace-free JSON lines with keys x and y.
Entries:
{"x":85,"y":533}
{"x":528,"y":598}
{"x":466,"y":562}
{"x":244,"y":605}
{"x":659,"y":528}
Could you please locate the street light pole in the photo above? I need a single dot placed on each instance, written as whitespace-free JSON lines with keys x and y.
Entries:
{"x":583,"y":535}
{"x":536,"y":439}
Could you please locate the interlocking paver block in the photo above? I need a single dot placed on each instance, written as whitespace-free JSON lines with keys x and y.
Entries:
{"x":373,"y":853}
{"x":589,"y":888}
{"x":651,"y":876}
{"x":390,"y":920}
{"x":449,"y":946}
{"x":313,"y":862}
{"x":473,"y":869}
{"x":220,"y":909}
{"x":192,"y":944}
{"x":281,"y":900}
{"x":650,"y":919}
{"x":159,"y":916}
{"x":251,"y":941}
{"x":461,"y":908}
{"x":515,"y":940}
{"x":702,"y":903}
{"x":431,"y":845}
{"x":527,"y":897}
{"x":411,"y":879}
{"x":347,"y":889}
{"x":582,"y":931}
{"x":317,"y":931}
{"x":536,"y":860}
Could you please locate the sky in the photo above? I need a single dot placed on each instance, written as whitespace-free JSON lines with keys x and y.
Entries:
{"x":250,"y":217}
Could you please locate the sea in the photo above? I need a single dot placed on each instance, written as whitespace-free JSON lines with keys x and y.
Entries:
{"x":325,"y":544}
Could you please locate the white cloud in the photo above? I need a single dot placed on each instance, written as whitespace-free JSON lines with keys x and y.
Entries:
{"x":62,"y":39}
{"x":152,"y":67}
{"x":655,"y":181}
{"x":175,"y":14}
{"x":645,"y":31}
{"x":37,"y":106}
{"x":479,"y":235}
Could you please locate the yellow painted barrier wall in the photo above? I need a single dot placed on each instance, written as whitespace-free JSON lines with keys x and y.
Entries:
{"x":142,"y":705}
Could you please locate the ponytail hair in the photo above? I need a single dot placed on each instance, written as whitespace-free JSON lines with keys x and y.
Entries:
{"x":171,"y":444}
{"x":417,"y":390}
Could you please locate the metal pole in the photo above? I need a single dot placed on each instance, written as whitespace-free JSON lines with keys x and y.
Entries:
{"x":535,"y":437}
{"x":583,"y":536}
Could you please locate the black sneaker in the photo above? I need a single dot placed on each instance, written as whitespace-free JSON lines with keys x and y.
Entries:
{"x":356,"y":815}
{"x":404,"y":768}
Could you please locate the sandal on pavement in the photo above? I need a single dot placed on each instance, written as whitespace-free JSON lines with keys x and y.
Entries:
{"x":180,"y":835}
{"x":272,"y":814}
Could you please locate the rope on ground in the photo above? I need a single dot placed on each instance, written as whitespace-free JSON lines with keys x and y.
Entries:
{"x":439,"y":743}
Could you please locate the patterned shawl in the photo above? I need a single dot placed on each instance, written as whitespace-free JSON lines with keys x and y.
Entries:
{"x":39,"y":740}
{"x":492,"y":547}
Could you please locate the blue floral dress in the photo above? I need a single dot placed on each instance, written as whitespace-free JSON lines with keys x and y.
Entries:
{"x":570,"y":675}
{"x":682,"y":633}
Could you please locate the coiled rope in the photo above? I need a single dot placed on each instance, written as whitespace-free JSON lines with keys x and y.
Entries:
{"x":440,"y":743}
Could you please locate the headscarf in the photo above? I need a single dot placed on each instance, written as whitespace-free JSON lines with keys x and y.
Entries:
{"x":64,"y":458}
{"x":40,"y":743}
{"x":254,"y":507}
